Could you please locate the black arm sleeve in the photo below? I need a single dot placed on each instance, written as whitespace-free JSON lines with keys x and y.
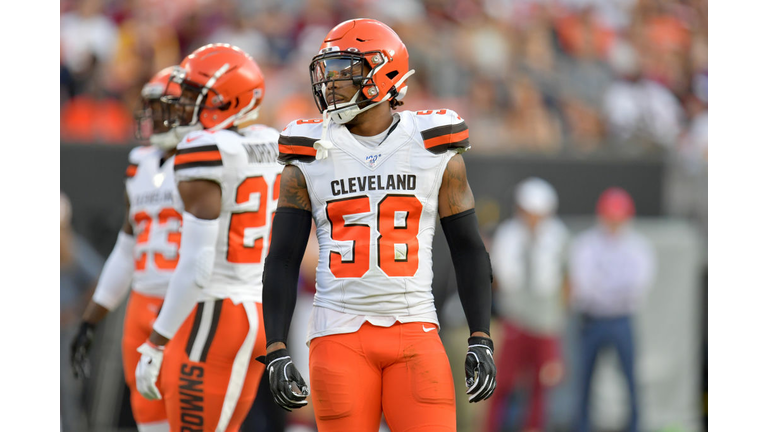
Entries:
{"x":473,"y":268}
{"x":290,"y":232}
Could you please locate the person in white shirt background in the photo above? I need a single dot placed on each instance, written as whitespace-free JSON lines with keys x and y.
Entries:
{"x":529,"y":259}
{"x":611,"y":267}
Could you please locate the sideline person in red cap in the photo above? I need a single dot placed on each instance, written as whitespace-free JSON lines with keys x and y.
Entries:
{"x":611,"y":266}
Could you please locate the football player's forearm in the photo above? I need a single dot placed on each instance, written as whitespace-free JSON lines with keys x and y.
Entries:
{"x":115,"y":279}
{"x":94,"y":313}
{"x":473,"y":269}
{"x":290,"y":232}
{"x":193,"y":272}
{"x":158,"y":339}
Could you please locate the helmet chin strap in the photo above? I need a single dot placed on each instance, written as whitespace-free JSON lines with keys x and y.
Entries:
{"x":401,"y":93}
{"x":323,"y":145}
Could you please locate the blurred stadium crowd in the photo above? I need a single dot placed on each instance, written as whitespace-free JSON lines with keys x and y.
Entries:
{"x":578,"y":77}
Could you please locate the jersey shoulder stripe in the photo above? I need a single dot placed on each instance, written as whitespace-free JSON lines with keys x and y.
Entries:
{"x":197,"y":149}
{"x":136,"y":155}
{"x":206,"y":155}
{"x":442,"y":130}
{"x":441,"y":138}
{"x":297,"y":141}
{"x":295,"y":147}
{"x":130,"y":172}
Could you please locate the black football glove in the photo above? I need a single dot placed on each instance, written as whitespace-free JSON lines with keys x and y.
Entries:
{"x":283,"y":379}
{"x":479,"y":369}
{"x":81,"y":366}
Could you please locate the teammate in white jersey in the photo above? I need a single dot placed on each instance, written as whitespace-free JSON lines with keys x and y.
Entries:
{"x":229,"y":183}
{"x":146,"y":251}
{"x":375,"y":181}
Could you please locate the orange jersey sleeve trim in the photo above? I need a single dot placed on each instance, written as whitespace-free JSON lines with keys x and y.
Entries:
{"x":198,"y":157}
{"x":291,"y":149}
{"x":131,"y":170}
{"x":446,"y":139}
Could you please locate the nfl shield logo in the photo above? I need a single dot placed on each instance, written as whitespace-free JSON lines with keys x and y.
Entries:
{"x":372,"y":159}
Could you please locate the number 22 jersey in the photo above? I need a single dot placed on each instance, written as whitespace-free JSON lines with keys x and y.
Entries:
{"x":245,"y":166}
{"x":375,"y":209}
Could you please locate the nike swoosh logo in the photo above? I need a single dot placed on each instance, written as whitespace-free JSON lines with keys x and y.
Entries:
{"x":427,"y":329}
{"x":190,"y":139}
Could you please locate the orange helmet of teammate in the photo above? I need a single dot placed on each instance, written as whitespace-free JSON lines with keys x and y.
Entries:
{"x":221,"y":85}
{"x":150,"y":122}
{"x":346,"y":49}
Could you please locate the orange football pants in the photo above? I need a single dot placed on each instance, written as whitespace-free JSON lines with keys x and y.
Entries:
{"x":401,"y":370}
{"x":140,"y":315}
{"x":209,"y":375}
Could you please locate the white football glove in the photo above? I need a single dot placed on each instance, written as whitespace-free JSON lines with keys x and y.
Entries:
{"x":148,"y":369}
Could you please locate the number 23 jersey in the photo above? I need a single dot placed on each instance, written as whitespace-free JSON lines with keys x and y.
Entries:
{"x":375,"y":210}
{"x":155,"y":216}
{"x":245,"y":167}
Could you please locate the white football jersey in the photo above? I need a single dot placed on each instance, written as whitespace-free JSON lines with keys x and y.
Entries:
{"x":155,"y":216}
{"x":245,"y":167}
{"x":375,"y":210}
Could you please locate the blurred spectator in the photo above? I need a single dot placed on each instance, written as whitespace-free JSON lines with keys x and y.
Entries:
{"x":638,"y":109}
{"x":611,"y":14}
{"x":529,"y":257}
{"x":585,"y":76}
{"x":694,"y":142}
{"x":79,"y":271}
{"x":533,"y":126}
{"x":581,"y":31}
{"x":145,"y":44}
{"x":611,"y":267}
{"x":244,"y":34}
{"x":86,"y":33}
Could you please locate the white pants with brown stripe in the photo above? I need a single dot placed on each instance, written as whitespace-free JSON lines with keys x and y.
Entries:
{"x":209,"y":376}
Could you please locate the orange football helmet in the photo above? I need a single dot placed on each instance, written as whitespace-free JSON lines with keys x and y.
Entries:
{"x":345,"y":50}
{"x":150,"y":122}
{"x":222,"y":86}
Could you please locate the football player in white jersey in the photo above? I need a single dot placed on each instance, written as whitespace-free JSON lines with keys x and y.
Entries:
{"x":146,"y":251}
{"x":210,"y":327}
{"x":375,"y":181}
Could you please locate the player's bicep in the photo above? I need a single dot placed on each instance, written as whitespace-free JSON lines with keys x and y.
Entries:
{"x":293,"y":189}
{"x":455,"y":194}
{"x":202,"y":198}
